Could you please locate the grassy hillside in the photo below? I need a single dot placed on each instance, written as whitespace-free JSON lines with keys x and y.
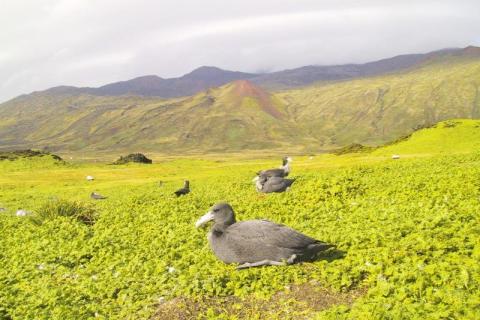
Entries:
{"x":377,"y":110}
{"x":447,"y":137}
{"x":234,"y":117}
{"x":241,"y":116}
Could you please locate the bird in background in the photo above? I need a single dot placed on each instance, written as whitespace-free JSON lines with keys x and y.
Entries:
{"x":97,"y":196}
{"x":282,"y":171}
{"x":183,"y":191}
{"x":272,"y":184}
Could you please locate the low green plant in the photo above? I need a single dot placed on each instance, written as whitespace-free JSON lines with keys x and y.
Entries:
{"x":77,"y":210}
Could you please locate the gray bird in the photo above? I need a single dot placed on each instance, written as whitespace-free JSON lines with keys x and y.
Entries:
{"x":97,"y":196}
{"x":283,"y":171}
{"x":183,"y":191}
{"x":256,"y":243}
{"x":273,"y":184}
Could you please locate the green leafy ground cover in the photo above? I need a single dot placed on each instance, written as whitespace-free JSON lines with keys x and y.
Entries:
{"x":407,"y":233}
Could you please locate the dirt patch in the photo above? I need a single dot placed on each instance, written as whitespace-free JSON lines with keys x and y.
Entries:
{"x":353,"y":148}
{"x":298,"y":302}
{"x":244,"y":88}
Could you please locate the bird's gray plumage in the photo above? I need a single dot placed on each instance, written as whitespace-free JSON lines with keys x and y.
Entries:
{"x":273,"y":184}
{"x":183,"y":191}
{"x":283,"y":171}
{"x":97,"y":196}
{"x":257,"y":242}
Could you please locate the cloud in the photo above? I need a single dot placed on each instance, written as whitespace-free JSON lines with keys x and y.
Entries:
{"x":90,"y":43}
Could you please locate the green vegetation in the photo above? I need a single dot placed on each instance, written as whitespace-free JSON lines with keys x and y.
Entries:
{"x":14,"y":155}
{"x":82,"y":212}
{"x":406,"y":232}
{"x":451,"y":136}
{"x":241,"y":116}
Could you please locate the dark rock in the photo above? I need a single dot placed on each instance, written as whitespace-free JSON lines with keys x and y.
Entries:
{"x":133,"y":157}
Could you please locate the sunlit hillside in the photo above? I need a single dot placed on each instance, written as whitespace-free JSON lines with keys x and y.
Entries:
{"x":242,"y":116}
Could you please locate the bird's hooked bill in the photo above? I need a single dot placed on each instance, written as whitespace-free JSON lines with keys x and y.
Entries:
{"x":204,"y":219}
{"x":256,"y":179}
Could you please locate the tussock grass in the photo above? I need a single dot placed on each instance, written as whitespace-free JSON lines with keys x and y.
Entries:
{"x":77,"y":210}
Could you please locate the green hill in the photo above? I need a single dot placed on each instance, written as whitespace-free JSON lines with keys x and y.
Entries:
{"x":447,"y":137}
{"x":241,"y":116}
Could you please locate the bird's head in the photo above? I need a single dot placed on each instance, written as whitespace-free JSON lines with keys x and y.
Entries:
{"x":221,"y":213}
{"x":286,"y":160}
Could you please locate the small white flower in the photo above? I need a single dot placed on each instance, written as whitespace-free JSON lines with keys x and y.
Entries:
{"x":368,"y":264}
{"x":116,"y":274}
{"x":94,"y":277}
{"x":21,"y":213}
{"x":171,"y":269}
{"x":97,"y":315}
{"x":41,"y":266}
{"x":161,"y":300}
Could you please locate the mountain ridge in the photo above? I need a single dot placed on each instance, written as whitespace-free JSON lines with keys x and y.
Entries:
{"x":205,"y":77}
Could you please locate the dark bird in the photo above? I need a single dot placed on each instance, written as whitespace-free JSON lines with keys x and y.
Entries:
{"x":273,"y":184}
{"x":183,"y":191}
{"x":283,"y":171}
{"x":97,"y":196}
{"x":256,"y":243}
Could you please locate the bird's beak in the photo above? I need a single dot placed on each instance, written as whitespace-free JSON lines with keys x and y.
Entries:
{"x":289,"y":159}
{"x":204,"y":219}
{"x":255,"y":179}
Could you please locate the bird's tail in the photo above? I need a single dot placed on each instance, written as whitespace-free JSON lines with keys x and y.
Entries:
{"x":321,"y":246}
{"x":289,"y":182}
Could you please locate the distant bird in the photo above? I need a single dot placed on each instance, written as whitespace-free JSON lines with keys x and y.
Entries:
{"x":183,"y":191}
{"x":89,"y":178}
{"x":256,"y":243}
{"x":283,"y":171}
{"x":395,"y":157}
{"x":97,"y":196}
{"x":273,"y":184}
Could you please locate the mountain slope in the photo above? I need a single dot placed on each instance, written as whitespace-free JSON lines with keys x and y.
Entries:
{"x":380,"y":109}
{"x":310,"y":74}
{"x":236,"y":116}
{"x":242,"y":116}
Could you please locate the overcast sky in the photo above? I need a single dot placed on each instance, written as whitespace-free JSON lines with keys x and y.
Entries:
{"x":45,"y":43}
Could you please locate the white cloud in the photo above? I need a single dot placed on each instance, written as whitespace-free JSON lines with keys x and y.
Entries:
{"x":93,"y":42}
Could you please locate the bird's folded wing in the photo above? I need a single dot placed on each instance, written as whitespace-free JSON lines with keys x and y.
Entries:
{"x":269,"y":233}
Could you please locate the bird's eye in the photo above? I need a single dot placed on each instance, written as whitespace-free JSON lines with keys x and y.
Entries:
{"x":216,"y":210}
